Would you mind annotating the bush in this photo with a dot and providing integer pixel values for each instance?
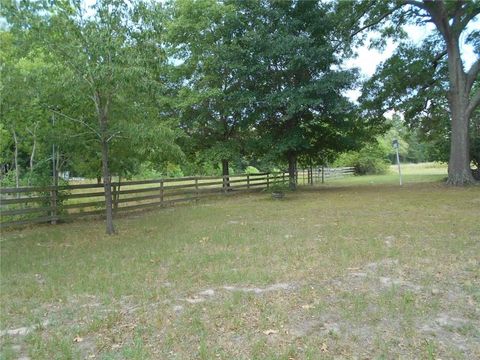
(370, 160)
(8, 180)
(148, 172)
(251, 170)
(173, 170)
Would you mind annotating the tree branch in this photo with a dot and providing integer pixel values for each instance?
(472, 104)
(77, 121)
(472, 74)
(458, 12)
(440, 18)
(464, 22)
(376, 21)
(113, 136)
(418, 4)
(439, 57)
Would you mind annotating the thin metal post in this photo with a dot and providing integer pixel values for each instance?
(399, 168)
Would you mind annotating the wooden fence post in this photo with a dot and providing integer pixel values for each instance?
(268, 180)
(161, 191)
(53, 205)
(196, 189)
(323, 174)
(248, 181)
(115, 199)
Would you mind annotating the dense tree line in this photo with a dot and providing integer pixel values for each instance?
(119, 87)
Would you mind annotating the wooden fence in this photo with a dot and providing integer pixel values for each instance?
(316, 175)
(50, 204)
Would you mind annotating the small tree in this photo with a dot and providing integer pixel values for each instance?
(106, 70)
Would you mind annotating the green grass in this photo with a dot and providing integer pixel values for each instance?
(377, 271)
(411, 173)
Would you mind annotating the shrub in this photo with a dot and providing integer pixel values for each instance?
(173, 170)
(370, 160)
(251, 170)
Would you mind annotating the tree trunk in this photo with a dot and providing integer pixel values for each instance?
(17, 170)
(34, 146)
(107, 186)
(107, 181)
(225, 173)
(459, 172)
(32, 155)
(292, 169)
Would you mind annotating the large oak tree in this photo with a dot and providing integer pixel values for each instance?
(454, 82)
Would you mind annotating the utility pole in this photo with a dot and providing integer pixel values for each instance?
(396, 146)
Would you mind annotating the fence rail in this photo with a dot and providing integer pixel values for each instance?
(43, 204)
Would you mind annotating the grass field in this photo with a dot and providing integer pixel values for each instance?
(358, 267)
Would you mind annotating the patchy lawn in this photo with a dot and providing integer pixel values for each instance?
(333, 271)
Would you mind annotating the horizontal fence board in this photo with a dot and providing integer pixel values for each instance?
(210, 183)
(80, 186)
(138, 198)
(235, 181)
(84, 204)
(139, 182)
(183, 186)
(27, 189)
(180, 192)
(154, 204)
(24, 200)
(26, 211)
(259, 179)
(136, 191)
(85, 195)
(48, 188)
(248, 185)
